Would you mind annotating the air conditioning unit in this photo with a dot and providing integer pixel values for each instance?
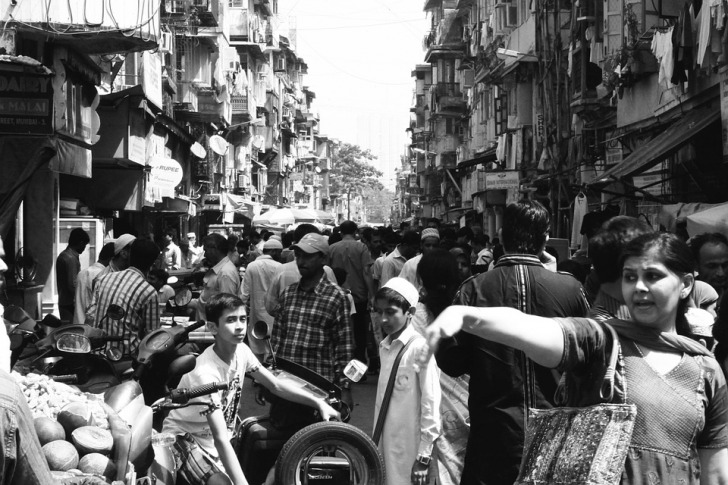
(166, 42)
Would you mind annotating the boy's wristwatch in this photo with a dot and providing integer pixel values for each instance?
(423, 460)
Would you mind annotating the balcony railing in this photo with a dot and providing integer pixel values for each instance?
(240, 104)
(448, 89)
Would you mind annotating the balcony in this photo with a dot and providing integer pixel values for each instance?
(449, 97)
(242, 109)
(420, 104)
(203, 13)
(87, 26)
(238, 25)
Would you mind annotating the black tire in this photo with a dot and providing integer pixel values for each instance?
(331, 437)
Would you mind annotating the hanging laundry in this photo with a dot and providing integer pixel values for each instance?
(703, 35)
(682, 44)
(580, 209)
(500, 150)
(663, 52)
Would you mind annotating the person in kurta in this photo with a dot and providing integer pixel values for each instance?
(256, 283)
(680, 434)
(412, 421)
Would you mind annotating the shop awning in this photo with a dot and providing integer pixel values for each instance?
(663, 145)
(487, 157)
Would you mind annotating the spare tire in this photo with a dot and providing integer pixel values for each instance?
(331, 439)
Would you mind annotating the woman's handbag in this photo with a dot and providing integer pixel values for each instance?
(584, 446)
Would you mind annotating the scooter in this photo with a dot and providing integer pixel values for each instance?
(144, 455)
(140, 401)
(326, 452)
(73, 354)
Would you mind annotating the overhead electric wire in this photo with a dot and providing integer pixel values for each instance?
(350, 74)
(339, 27)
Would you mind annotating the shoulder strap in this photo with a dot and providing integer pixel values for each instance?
(606, 391)
(388, 393)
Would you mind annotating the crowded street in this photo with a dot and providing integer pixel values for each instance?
(394, 242)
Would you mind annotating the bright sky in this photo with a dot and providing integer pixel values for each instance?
(360, 56)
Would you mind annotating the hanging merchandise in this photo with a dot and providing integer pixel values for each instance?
(580, 209)
(500, 151)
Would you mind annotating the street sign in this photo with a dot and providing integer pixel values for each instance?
(508, 179)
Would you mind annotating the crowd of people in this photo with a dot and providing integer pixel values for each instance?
(472, 331)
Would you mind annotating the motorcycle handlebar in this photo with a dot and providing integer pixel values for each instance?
(183, 396)
(195, 326)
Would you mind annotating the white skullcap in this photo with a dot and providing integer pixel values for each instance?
(404, 288)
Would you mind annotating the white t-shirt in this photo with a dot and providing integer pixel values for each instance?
(210, 368)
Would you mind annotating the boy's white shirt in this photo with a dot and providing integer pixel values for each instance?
(210, 368)
(413, 420)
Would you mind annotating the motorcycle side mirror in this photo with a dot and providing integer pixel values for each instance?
(260, 332)
(115, 312)
(183, 296)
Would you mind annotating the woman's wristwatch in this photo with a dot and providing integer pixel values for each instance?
(423, 460)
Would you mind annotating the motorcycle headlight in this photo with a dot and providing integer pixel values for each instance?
(73, 343)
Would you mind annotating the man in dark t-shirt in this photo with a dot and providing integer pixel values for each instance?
(497, 376)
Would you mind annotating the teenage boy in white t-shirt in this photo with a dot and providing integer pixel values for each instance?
(203, 434)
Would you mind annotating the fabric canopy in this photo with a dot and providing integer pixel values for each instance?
(664, 144)
(22, 157)
(714, 219)
(283, 217)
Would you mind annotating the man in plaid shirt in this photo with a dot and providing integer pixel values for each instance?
(130, 290)
(313, 327)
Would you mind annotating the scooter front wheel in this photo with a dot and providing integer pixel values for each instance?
(340, 452)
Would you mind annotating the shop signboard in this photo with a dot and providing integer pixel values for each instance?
(166, 173)
(508, 179)
(26, 103)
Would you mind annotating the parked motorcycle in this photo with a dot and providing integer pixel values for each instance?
(74, 354)
(146, 453)
(160, 364)
(331, 452)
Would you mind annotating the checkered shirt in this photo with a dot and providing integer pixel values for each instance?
(130, 290)
(314, 329)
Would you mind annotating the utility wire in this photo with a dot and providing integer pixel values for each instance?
(339, 27)
(350, 74)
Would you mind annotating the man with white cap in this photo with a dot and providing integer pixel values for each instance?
(429, 240)
(256, 283)
(313, 327)
(411, 422)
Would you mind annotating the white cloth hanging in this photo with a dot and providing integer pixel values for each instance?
(581, 207)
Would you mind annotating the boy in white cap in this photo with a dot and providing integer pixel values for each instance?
(411, 422)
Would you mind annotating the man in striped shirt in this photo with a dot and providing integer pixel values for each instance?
(130, 290)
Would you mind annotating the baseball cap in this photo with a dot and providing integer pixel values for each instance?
(313, 243)
(404, 288)
(272, 244)
(430, 232)
(122, 242)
